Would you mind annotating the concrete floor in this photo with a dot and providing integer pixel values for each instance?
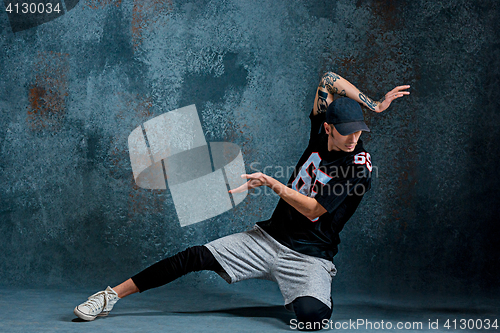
(249, 306)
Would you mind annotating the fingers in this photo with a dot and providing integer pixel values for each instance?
(244, 187)
(393, 96)
(252, 176)
(254, 180)
(239, 189)
(256, 176)
(398, 89)
(397, 92)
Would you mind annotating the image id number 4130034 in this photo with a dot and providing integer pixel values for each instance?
(32, 8)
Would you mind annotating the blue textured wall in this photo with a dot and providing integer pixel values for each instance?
(72, 89)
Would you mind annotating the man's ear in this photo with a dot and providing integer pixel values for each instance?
(327, 128)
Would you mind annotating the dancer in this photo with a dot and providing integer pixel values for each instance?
(296, 246)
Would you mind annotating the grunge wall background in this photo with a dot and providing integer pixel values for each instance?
(72, 89)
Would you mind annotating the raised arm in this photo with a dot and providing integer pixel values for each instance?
(331, 84)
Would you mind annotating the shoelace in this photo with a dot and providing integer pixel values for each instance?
(95, 302)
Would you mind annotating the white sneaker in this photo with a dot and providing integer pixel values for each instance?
(99, 304)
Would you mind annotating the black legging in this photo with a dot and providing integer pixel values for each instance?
(197, 258)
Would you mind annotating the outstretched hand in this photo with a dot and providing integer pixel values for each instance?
(255, 180)
(397, 92)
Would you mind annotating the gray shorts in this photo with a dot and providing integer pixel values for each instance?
(254, 254)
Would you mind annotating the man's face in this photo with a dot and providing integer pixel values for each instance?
(339, 142)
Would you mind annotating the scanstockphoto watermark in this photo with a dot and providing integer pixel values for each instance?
(359, 324)
(307, 182)
(448, 324)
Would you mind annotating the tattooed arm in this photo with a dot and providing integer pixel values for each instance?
(332, 83)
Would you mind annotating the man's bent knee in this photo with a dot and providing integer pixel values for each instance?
(311, 313)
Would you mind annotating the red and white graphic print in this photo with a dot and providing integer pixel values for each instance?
(363, 158)
(309, 175)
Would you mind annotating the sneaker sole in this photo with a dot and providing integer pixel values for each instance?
(82, 315)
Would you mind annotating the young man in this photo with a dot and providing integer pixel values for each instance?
(295, 247)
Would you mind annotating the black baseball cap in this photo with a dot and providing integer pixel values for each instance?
(346, 115)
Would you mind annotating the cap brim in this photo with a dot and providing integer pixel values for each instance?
(349, 128)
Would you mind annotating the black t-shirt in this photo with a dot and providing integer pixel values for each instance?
(337, 180)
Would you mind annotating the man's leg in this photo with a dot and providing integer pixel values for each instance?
(192, 259)
(311, 312)
(305, 282)
(126, 288)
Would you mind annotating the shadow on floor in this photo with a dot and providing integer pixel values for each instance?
(278, 312)
(275, 312)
